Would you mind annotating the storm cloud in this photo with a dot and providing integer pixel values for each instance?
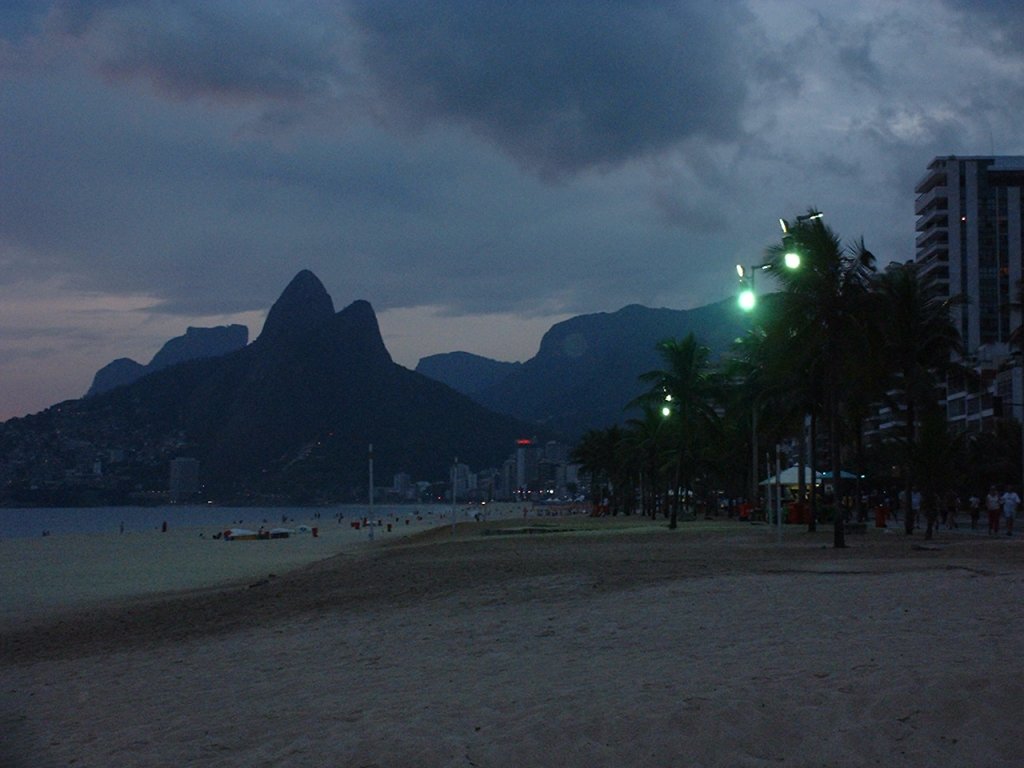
(562, 86)
(459, 164)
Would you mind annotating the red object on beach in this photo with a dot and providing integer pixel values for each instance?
(355, 524)
(316, 532)
(799, 514)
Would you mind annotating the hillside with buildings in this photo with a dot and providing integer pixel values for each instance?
(289, 418)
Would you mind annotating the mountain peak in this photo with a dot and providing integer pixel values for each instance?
(303, 305)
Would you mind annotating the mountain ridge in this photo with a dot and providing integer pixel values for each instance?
(196, 343)
(587, 367)
(288, 417)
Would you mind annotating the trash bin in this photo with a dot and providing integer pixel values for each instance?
(316, 532)
(881, 513)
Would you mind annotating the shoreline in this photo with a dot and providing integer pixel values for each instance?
(60, 574)
(31, 522)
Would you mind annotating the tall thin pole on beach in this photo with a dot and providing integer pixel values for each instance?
(778, 492)
(369, 516)
(455, 477)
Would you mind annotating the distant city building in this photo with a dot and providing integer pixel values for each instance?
(464, 480)
(556, 452)
(526, 464)
(402, 483)
(508, 478)
(969, 239)
(184, 481)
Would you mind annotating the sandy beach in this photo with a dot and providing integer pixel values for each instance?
(612, 642)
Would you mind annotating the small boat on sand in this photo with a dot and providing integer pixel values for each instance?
(245, 534)
(241, 534)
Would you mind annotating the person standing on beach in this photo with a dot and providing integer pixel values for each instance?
(1010, 501)
(993, 506)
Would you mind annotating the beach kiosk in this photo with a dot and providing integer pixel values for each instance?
(784, 485)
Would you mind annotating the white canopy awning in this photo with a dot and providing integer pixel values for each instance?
(791, 476)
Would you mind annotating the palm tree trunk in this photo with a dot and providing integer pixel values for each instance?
(838, 525)
(858, 497)
(908, 488)
(673, 520)
(812, 523)
(801, 491)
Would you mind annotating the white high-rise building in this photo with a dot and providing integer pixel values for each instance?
(969, 212)
(969, 234)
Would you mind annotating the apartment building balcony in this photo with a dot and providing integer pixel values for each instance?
(935, 253)
(934, 217)
(936, 198)
(934, 177)
(932, 234)
(937, 275)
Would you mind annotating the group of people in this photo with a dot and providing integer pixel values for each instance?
(1001, 504)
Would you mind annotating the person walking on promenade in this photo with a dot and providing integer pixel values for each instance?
(1010, 501)
(950, 507)
(993, 505)
(975, 504)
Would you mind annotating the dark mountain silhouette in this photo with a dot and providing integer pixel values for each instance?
(587, 367)
(292, 414)
(197, 343)
(115, 374)
(465, 372)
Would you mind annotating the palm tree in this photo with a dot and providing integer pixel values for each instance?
(748, 374)
(921, 339)
(777, 395)
(687, 387)
(823, 309)
(597, 453)
(938, 463)
(645, 440)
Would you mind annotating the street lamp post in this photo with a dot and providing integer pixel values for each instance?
(667, 407)
(369, 516)
(748, 302)
(455, 480)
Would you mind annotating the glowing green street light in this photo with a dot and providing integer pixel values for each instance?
(790, 259)
(790, 255)
(748, 291)
(748, 299)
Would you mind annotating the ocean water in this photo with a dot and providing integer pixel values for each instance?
(28, 522)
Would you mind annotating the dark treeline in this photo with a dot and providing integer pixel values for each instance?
(837, 342)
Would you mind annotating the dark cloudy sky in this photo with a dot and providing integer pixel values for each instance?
(476, 170)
